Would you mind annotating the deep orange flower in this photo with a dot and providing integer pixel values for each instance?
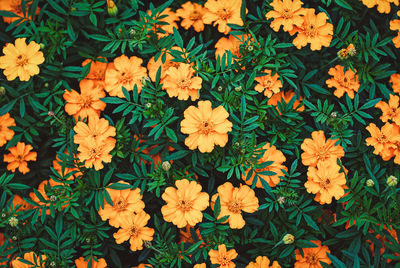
(327, 181)
(232, 44)
(390, 110)
(97, 128)
(314, 31)
(124, 72)
(286, 96)
(382, 139)
(263, 262)
(186, 237)
(97, 72)
(19, 156)
(87, 103)
(143, 265)
(133, 229)
(395, 26)
(222, 12)
(125, 202)
(395, 80)
(383, 240)
(287, 13)
(185, 203)
(233, 201)
(75, 167)
(222, 257)
(344, 82)
(192, 15)
(206, 126)
(14, 6)
(81, 263)
(6, 134)
(45, 188)
(319, 149)
(200, 265)
(36, 260)
(19, 201)
(179, 82)
(268, 83)
(21, 60)
(271, 154)
(312, 256)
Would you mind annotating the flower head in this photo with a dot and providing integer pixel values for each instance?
(263, 262)
(153, 65)
(395, 80)
(6, 134)
(19, 156)
(94, 153)
(312, 256)
(232, 44)
(382, 139)
(206, 126)
(286, 96)
(15, 7)
(391, 181)
(223, 257)
(21, 60)
(35, 260)
(97, 72)
(81, 263)
(286, 13)
(192, 15)
(268, 83)
(185, 203)
(390, 110)
(97, 128)
(222, 12)
(344, 82)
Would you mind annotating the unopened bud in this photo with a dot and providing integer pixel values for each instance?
(50, 113)
(46, 84)
(148, 105)
(219, 88)
(342, 54)
(3, 215)
(351, 50)
(281, 200)
(250, 48)
(334, 114)
(132, 31)
(145, 79)
(14, 238)
(42, 46)
(166, 165)
(288, 239)
(87, 240)
(53, 198)
(13, 221)
(53, 264)
(2, 91)
(112, 8)
(370, 183)
(239, 88)
(391, 181)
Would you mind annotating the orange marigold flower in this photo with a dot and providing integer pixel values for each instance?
(287, 13)
(192, 15)
(312, 256)
(97, 72)
(233, 201)
(153, 66)
(67, 169)
(395, 80)
(222, 12)
(232, 44)
(143, 265)
(383, 240)
(19, 201)
(185, 203)
(6, 134)
(395, 26)
(170, 18)
(95, 153)
(87, 103)
(263, 262)
(124, 203)
(318, 149)
(381, 139)
(35, 260)
(326, 180)
(179, 82)
(314, 31)
(268, 83)
(133, 229)
(81, 263)
(45, 189)
(344, 82)
(206, 126)
(14, 6)
(383, 5)
(277, 158)
(21, 60)
(223, 257)
(186, 237)
(97, 128)
(124, 72)
(19, 156)
(390, 110)
(200, 265)
(286, 96)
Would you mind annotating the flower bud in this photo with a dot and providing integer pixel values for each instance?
(250, 48)
(132, 31)
(148, 105)
(281, 200)
(239, 88)
(53, 198)
(342, 54)
(2, 91)
(13, 221)
(14, 238)
(50, 113)
(166, 165)
(53, 264)
(370, 183)
(391, 181)
(334, 114)
(46, 84)
(288, 239)
(42, 46)
(3, 215)
(219, 88)
(351, 50)
(112, 8)
(147, 243)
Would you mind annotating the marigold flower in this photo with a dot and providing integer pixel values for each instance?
(19, 156)
(192, 15)
(94, 153)
(390, 110)
(327, 181)
(277, 157)
(97, 72)
(395, 26)
(125, 202)
(143, 265)
(179, 82)
(185, 203)
(87, 103)
(21, 60)
(153, 66)
(81, 263)
(233, 201)
(124, 72)
(36, 260)
(381, 138)
(232, 44)
(206, 126)
(200, 265)
(286, 96)
(314, 31)
(287, 13)
(263, 262)
(223, 257)
(133, 229)
(383, 5)
(67, 169)
(344, 82)
(14, 6)
(222, 12)
(395, 80)
(383, 240)
(44, 189)
(312, 256)
(19, 201)
(318, 149)
(97, 128)
(268, 83)
(6, 134)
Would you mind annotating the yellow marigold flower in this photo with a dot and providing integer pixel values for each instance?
(263, 262)
(21, 60)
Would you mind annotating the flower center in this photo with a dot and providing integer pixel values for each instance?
(224, 14)
(224, 261)
(185, 205)
(134, 231)
(120, 204)
(19, 158)
(94, 153)
(322, 154)
(125, 78)
(206, 127)
(21, 60)
(325, 182)
(86, 102)
(235, 206)
(310, 30)
(268, 83)
(287, 14)
(195, 15)
(184, 83)
(381, 138)
(312, 259)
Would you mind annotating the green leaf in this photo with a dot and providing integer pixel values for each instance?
(336, 262)
(343, 4)
(178, 38)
